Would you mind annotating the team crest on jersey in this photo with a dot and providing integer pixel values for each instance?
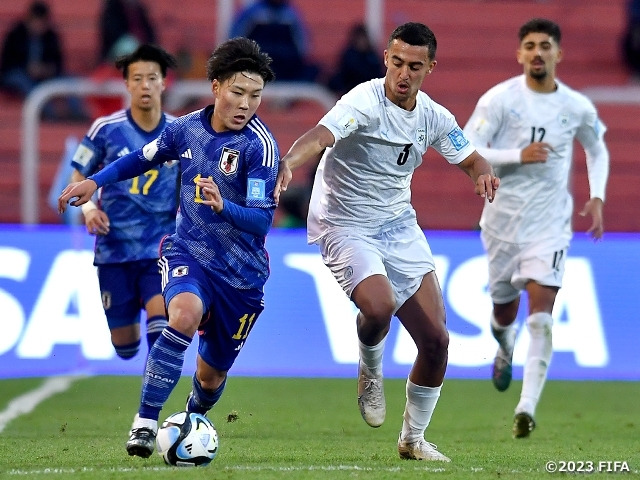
(421, 136)
(229, 161)
(563, 118)
(180, 271)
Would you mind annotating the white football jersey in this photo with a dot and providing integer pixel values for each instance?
(363, 181)
(534, 201)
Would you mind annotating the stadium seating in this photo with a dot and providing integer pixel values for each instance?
(477, 42)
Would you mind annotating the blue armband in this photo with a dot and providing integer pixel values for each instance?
(256, 221)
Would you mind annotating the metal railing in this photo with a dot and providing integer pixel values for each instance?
(176, 95)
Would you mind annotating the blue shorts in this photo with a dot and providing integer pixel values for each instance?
(229, 313)
(126, 287)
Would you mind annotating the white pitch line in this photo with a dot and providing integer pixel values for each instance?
(27, 402)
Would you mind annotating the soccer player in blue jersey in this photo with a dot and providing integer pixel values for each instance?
(215, 265)
(131, 216)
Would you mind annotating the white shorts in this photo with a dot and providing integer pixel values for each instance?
(401, 254)
(511, 266)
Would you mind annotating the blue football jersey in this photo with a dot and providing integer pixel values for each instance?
(141, 210)
(244, 165)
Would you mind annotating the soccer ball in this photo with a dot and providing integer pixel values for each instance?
(187, 439)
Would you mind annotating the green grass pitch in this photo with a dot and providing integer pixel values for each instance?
(281, 428)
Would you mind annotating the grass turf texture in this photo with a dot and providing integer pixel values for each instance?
(311, 428)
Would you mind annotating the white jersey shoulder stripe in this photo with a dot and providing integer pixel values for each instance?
(269, 149)
(119, 116)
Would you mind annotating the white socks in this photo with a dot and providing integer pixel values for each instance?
(505, 336)
(421, 402)
(139, 422)
(538, 359)
(371, 357)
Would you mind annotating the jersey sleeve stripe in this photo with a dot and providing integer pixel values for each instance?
(269, 150)
(119, 116)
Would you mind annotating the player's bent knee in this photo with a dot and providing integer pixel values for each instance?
(540, 322)
(434, 347)
(378, 313)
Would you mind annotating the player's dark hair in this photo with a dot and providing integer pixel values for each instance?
(415, 33)
(541, 25)
(236, 55)
(146, 53)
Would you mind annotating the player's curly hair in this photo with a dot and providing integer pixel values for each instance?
(236, 55)
(146, 53)
(541, 25)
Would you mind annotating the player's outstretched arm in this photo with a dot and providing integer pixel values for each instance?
(128, 166)
(81, 191)
(309, 146)
(480, 171)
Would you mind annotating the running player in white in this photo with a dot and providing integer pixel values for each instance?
(361, 217)
(525, 127)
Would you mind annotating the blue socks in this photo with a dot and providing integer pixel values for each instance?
(201, 401)
(155, 325)
(162, 372)
(127, 351)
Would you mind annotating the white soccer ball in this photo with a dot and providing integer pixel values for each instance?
(187, 439)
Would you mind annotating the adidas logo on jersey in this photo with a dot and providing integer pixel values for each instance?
(123, 152)
(186, 153)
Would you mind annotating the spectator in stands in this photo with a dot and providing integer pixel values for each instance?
(32, 54)
(359, 62)
(124, 17)
(280, 31)
(631, 38)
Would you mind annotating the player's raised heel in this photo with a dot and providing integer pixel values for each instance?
(371, 397)
(420, 450)
(141, 442)
(523, 425)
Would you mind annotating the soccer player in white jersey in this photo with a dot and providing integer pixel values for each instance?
(132, 216)
(525, 127)
(215, 265)
(361, 217)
